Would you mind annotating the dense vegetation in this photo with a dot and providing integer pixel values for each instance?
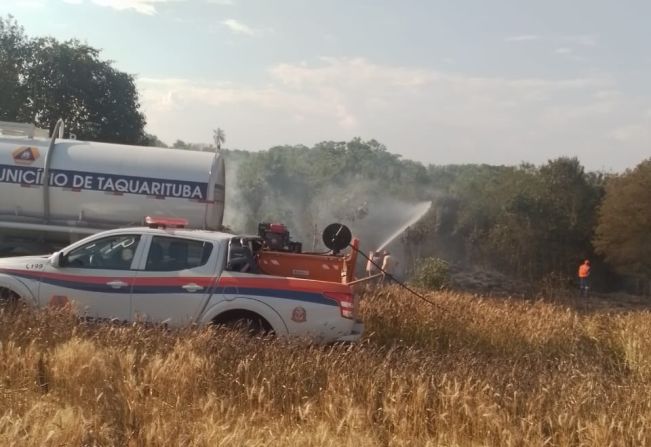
(536, 223)
(462, 372)
(624, 231)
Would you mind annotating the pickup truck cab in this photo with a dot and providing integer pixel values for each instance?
(179, 277)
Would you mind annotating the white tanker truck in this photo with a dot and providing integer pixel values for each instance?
(90, 187)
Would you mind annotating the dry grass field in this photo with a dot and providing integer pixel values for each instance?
(466, 372)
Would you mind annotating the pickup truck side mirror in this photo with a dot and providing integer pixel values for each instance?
(58, 259)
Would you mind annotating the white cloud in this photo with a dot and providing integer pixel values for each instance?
(35, 5)
(432, 116)
(563, 50)
(573, 47)
(147, 7)
(334, 71)
(240, 28)
(585, 40)
(523, 38)
(632, 133)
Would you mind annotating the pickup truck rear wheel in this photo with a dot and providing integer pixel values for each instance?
(8, 298)
(243, 320)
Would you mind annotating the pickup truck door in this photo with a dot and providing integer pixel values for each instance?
(175, 280)
(95, 277)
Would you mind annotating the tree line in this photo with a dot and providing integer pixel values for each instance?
(531, 222)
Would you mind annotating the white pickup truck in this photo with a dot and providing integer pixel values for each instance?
(178, 277)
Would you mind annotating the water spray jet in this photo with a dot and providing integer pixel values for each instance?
(420, 211)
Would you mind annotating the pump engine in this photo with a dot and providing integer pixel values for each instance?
(276, 238)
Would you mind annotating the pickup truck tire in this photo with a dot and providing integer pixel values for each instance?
(8, 298)
(243, 320)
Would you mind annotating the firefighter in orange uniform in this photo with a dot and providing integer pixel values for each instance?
(584, 275)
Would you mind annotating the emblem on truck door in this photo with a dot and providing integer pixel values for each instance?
(25, 155)
(299, 315)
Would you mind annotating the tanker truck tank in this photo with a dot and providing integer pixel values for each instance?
(94, 186)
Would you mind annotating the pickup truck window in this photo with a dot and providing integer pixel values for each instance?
(240, 257)
(169, 254)
(109, 253)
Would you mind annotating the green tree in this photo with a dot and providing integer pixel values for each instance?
(570, 201)
(180, 144)
(432, 273)
(623, 233)
(13, 50)
(152, 140)
(526, 221)
(219, 137)
(44, 79)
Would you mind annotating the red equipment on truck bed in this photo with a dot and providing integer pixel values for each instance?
(279, 256)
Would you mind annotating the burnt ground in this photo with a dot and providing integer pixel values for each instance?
(491, 284)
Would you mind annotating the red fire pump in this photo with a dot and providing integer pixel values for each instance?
(276, 238)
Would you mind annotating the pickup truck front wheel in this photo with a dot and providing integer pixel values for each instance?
(245, 321)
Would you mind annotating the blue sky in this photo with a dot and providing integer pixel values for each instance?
(498, 82)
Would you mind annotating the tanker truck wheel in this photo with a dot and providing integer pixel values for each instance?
(9, 300)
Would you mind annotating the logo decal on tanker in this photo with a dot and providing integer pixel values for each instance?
(109, 183)
(25, 155)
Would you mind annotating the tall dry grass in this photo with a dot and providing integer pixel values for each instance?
(464, 372)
